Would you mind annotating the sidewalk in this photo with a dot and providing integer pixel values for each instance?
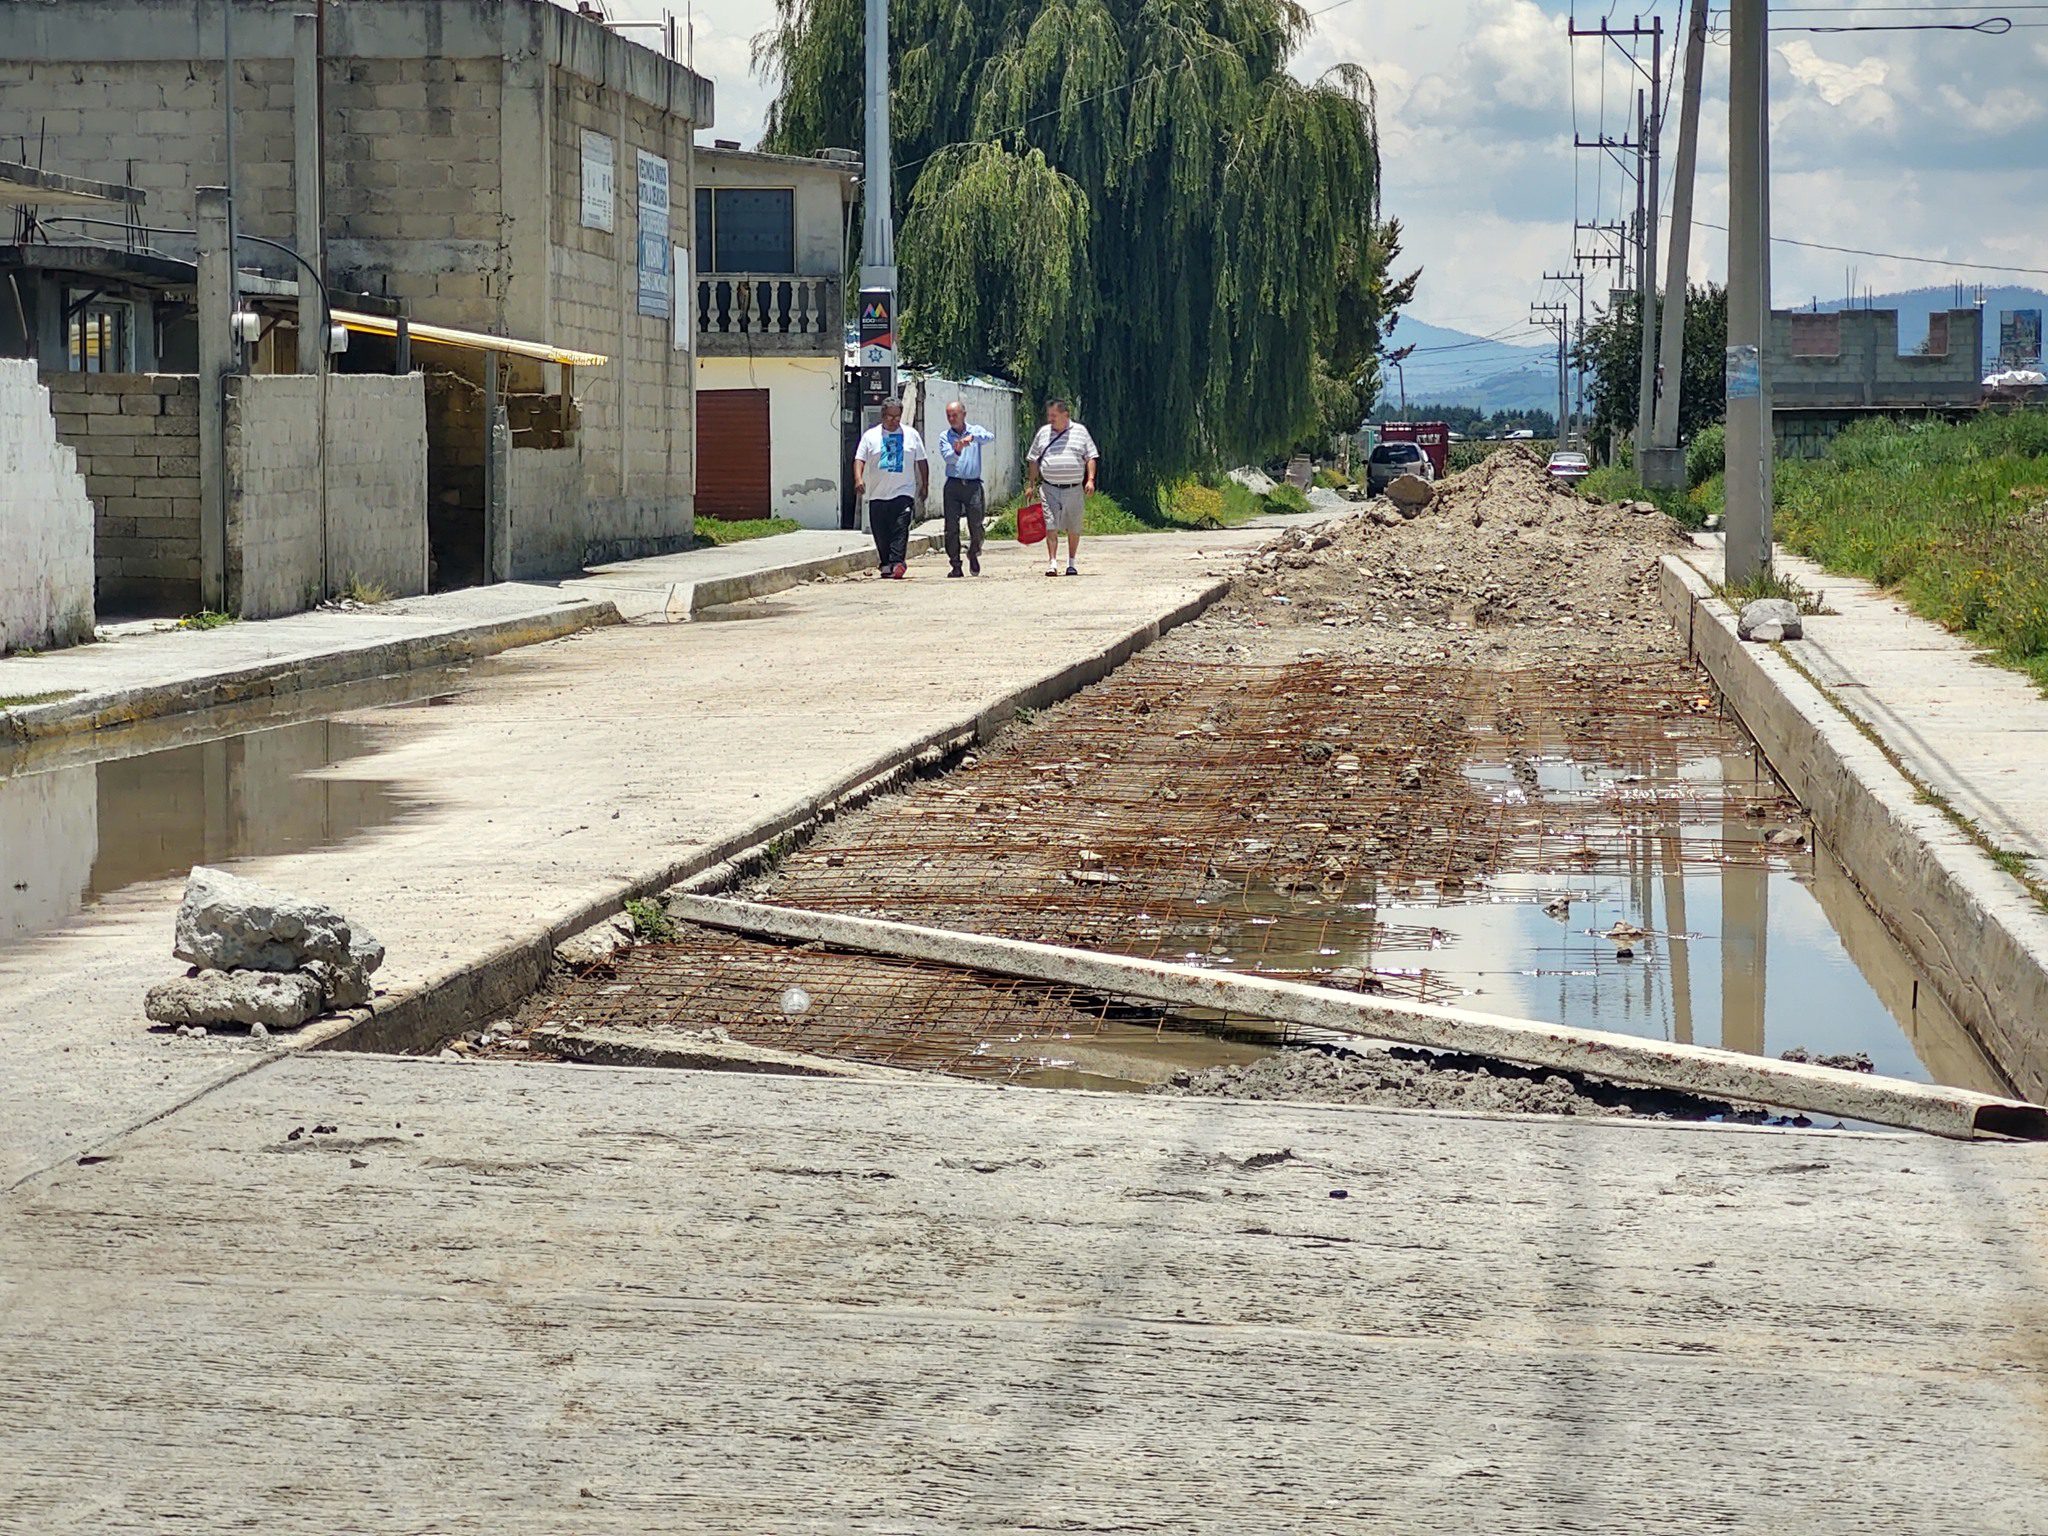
(1973, 733)
(143, 672)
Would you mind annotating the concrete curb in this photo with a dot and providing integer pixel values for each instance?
(720, 590)
(281, 675)
(471, 991)
(1971, 927)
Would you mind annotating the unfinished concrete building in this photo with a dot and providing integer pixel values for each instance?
(1828, 370)
(512, 178)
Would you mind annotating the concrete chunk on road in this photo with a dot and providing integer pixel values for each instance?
(1410, 494)
(274, 999)
(227, 923)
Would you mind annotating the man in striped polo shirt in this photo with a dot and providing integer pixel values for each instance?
(1061, 464)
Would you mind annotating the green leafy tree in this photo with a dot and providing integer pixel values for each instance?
(1348, 365)
(1127, 201)
(1612, 352)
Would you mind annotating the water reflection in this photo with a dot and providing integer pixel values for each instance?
(1746, 947)
(73, 835)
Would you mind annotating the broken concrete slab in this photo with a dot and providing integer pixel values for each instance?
(1621, 1058)
(274, 999)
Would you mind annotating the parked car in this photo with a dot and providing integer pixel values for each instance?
(1388, 462)
(1571, 468)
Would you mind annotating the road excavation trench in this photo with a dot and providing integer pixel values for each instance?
(1457, 759)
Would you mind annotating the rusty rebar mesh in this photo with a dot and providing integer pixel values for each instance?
(1267, 818)
(873, 1009)
(1256, 816)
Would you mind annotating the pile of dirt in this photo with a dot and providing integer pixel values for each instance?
(1401, 1077)
(1503, 564)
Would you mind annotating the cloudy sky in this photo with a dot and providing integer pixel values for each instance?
(1920, 143)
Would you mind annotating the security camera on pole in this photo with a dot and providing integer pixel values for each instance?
(878, 232)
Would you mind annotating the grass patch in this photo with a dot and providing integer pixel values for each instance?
(206, 618)
(1190, 506)
(1951, 517)
(1618, 482)
(357, 590)
(650, 920)
(1772, 583)
(20, 700)
(718, 531)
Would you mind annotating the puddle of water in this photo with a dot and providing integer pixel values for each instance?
(1742, 949)
(71, 836)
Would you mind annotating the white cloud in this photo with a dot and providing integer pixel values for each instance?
(1833, 82)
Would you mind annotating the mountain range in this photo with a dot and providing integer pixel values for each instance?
(1508, 371)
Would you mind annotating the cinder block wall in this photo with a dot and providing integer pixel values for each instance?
(137, 440)
(543, 497)
(45, 522)
(1868, 369)
(637, 437)
(454, 182)
(377, 481)
(376, 489)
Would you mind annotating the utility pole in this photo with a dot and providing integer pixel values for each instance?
(1663, 466)
(1578, 281)
(878, 229)
(1557, 317)
(1642, 237)
(1749, 293)
(1615, 235)
(1649, 129)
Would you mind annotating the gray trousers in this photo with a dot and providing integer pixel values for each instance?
(964, 498)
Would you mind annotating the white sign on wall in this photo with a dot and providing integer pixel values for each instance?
(654, 234)
(600, 180)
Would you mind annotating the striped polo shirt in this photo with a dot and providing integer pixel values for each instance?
(1062, 457)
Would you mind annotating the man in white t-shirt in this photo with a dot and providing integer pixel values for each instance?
(890, 469)
(1061, 464)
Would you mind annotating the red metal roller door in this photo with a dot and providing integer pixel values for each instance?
(732, 453)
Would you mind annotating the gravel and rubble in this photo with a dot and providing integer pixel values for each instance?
(1503, 567)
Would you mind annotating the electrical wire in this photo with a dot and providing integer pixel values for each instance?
(1926, 261)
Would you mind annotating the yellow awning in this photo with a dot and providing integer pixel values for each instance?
(475, 341)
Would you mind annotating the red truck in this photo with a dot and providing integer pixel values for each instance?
(1432, 437)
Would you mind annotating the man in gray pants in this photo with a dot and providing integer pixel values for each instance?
(1062, 464)
(964, 494)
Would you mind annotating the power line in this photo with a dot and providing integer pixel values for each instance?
(1926, 261)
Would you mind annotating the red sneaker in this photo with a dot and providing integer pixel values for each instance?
(900, 570)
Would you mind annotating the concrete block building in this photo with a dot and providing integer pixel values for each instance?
(1828, 370)
(505, 168)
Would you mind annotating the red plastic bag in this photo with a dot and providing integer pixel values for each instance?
(1031, 523)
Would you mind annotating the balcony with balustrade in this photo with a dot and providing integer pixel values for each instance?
(747, 313)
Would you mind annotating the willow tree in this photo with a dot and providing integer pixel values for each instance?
(1129, 201)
